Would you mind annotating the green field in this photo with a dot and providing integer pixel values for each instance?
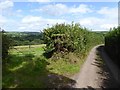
(28, 68)
(33, 49)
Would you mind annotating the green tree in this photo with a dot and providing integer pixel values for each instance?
(6, 44)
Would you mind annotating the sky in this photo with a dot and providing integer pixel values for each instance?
(36, 15)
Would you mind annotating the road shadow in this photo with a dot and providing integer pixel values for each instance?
(107, 79)
(34, 74)
(90, 88)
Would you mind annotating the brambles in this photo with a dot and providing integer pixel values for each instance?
(112, 44)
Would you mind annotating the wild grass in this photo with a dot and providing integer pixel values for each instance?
(68, 65)
(28, 68)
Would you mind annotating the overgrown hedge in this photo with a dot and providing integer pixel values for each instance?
(70, 38)
(112, 44)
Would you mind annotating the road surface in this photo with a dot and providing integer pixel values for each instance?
(98, 71)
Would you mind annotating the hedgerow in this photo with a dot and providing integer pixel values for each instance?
(112, 44)
(62, 38)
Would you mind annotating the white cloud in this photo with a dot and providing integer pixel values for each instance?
(108, 26)
(6, 4)
(7, 23)
(82, 8)
(55, 9)
(39, 0)
(108, 19)
(60, 9)
(19, 11)
(3, 20)
(71, 0)
(91, 21)
(105, 18)
(96, 23)
(31, 19)
(110, 16)
(31, 23)
(109, 12)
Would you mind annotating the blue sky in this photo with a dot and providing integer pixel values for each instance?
(34, 16)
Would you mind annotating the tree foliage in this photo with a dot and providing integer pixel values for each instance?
(6, 44)
(26, 38)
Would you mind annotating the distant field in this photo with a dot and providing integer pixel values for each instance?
(34, 49)
(25, 46)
